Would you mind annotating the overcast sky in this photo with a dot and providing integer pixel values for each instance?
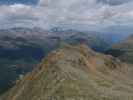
(97, 15)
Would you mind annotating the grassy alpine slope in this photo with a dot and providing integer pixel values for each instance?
(75, 73)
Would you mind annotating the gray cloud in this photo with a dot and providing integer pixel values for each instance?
(114, 2)
(95, 14)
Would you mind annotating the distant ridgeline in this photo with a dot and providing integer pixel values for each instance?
(123, 50)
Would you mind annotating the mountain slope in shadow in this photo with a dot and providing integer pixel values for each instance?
(123, 50)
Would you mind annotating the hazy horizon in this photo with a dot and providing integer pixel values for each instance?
(92, 15)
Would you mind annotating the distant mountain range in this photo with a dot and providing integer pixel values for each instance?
(123, 50)
(75, 73)
(15, 37)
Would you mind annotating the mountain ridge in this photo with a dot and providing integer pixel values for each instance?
(75, 72)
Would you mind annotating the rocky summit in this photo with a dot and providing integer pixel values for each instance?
(75, 73)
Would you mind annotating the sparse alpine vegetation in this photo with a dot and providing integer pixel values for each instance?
(75, 73)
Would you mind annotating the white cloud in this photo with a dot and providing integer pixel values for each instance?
(70, 13)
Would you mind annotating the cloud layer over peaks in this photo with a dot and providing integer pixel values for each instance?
(84, 14)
